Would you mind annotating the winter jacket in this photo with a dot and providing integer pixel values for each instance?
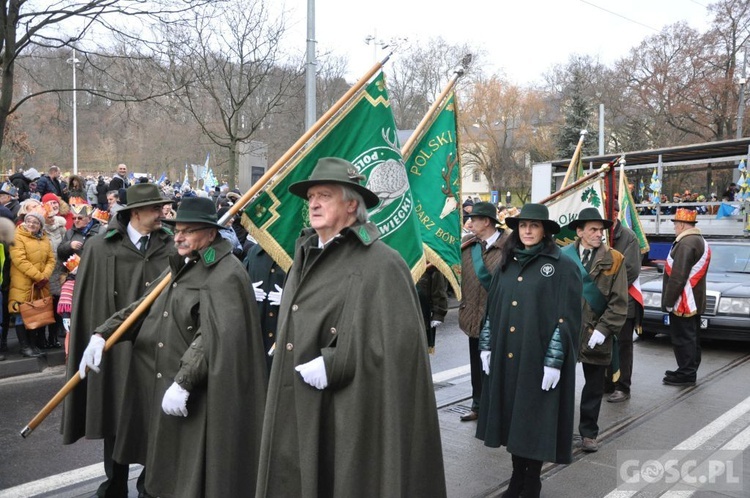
(471, 311)
(687, 249)
(626, 243)
(607, 270)
(32, 260)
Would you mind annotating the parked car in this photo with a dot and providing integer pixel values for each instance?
(727, 313)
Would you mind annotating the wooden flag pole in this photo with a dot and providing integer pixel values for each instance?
(417, 134)
(143, 307)
(73, 381)
(245, 199)
(576, 183)
(573, 160)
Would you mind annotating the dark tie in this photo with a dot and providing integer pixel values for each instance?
(143, 244)
(586, 257)
(483, 243)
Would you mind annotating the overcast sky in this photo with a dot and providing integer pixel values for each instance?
(523, 39)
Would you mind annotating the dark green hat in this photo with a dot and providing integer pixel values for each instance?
(196, 210)
(339, 171)
(142, 195)
(589, 214)
(486, 209)
(535, 212)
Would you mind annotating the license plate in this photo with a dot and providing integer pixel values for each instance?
(704, 321)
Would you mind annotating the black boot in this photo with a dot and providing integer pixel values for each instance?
(4, 340)
(52, 340)
(516, 479)
(23, 341)
(532, 482)
(34, 339)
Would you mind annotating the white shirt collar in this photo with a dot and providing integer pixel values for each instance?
(134, 235)
(493, 238)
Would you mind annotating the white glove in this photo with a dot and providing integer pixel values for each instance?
(66, 324)
(551, 378)
(260, 294)
(314, 373)
(274, 297)
(485, 356)
(92, 355)
(175, 401)
(435, 324)
(596, 339)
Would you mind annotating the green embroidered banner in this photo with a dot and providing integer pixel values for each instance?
(364, 133)
(435, 178)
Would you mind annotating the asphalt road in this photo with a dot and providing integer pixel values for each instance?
(658, 419)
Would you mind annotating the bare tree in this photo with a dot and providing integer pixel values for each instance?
(228, 61)
(26, 24)
(502, 132)
(419, 73)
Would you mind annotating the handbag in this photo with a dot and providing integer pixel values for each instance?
(37, 312)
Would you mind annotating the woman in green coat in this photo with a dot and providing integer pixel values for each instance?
(529, 347)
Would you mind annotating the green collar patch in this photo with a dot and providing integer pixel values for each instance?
(110, 233)
(363, 235)
(209, 255)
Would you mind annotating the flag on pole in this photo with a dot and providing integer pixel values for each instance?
(629, 218)
(364, 133)
(185, 184)
(579, 172)
(565, 208)
(629, 214)
(434, 173)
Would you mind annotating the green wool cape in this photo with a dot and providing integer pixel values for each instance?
(525, 306)
(373, 431)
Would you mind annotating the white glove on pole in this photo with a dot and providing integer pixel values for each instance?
(485, 356)
(551, 378)
(260, 294)
(175, 401)
(92, 355)
(274, 297)
(314, 373)
(435, 324)
(596, 339)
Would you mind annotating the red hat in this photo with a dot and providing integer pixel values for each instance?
(50, 197)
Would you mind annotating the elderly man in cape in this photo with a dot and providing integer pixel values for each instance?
(351, 407)
(605, 308)
(195, 394)
(684, 296)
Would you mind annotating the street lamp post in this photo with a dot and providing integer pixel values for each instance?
(743, 80)
(73, 61)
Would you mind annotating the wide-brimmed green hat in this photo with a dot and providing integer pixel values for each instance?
(589, 214)
(534, 212)
(142, 195)
(338, 171)
(196, 210)
(486, 209)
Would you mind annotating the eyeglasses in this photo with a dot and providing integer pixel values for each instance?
(79, 218)
(188, 231)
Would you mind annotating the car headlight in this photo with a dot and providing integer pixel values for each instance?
(734, 306)
(651, 299)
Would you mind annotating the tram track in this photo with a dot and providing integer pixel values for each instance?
(621, 427)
